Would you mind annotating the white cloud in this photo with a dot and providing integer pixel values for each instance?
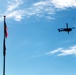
(55, 51)
(13, 5)
(64, 52)
(59, 52)
(62, 4)
(45, 8)
(37, 9)
(17, 15)
(13, 10)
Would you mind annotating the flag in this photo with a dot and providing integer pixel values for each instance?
(4, 47)
(5, 28)
(5, 36)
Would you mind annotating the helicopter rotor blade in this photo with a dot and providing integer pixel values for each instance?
(67, 25)
(73, 27)
(62, 28)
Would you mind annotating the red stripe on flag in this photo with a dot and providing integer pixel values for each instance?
(5, 29)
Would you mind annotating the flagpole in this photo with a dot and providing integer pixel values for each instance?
(4, 65)
(4, 49)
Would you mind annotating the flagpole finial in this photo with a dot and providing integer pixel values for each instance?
(4, 16)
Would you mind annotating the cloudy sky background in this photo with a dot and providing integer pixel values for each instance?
(34, 45)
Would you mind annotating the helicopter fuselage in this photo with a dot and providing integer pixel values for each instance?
(66, 29)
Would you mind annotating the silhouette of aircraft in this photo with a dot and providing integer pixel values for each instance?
(66, 29)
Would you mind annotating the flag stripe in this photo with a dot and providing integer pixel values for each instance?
(4, 47)
(5, 29)
(5, 36)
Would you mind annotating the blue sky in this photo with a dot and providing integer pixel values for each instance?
(34, 45)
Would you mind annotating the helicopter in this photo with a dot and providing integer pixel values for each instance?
(66, 29)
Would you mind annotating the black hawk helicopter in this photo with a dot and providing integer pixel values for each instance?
(66, 29)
